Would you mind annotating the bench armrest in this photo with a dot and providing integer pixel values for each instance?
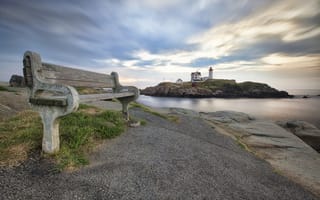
(119, 88)
(38, 86)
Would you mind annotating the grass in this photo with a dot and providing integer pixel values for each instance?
(5, 89)
(19, 136)
(79, 133)
(221, 84)
(88, 90)
(242, 144)
(147, 109)
(143, 122)
(213, 85)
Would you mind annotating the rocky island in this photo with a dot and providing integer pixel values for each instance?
(220, 88)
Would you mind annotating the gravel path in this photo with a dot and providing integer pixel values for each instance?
(162, 160)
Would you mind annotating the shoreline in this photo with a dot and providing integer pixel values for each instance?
(293, 96)
(273, 109)
(287, 154)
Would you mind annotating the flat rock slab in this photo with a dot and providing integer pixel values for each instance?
(287, 153)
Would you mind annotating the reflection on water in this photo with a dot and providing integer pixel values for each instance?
(312, 92)
(275, 109)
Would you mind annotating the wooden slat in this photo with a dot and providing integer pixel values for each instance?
(105, 96)
(50, 101)
(56, 74)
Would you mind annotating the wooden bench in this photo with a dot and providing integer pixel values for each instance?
(53, 93)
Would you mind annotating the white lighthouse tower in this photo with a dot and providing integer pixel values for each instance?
(210, 73)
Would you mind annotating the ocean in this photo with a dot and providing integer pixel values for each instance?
(306, 109)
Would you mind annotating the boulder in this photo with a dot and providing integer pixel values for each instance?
(16, 81)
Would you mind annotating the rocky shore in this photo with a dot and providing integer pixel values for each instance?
(289, 146)
(189, 159)
(194, 158)
(218, 88)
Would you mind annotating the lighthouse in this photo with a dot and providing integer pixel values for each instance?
(210, 73)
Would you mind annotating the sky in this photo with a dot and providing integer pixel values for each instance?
(150, 41)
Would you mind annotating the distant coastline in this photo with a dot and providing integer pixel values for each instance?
(304, 92)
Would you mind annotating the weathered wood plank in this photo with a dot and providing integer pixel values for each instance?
(50, 101)
(56, 74)
(104, 96)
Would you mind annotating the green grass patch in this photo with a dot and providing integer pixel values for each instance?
(242, 144)
(134, 120)
(89, 90)
(5, 89)
(85, 106)
(147, 109)
(79, 133)
(143, 122)
(81, 130)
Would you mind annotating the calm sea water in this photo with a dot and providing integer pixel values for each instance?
(276, 109)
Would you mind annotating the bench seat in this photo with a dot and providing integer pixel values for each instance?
(103, 96)
(63, 101)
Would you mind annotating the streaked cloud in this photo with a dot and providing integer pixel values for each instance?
(292, 61)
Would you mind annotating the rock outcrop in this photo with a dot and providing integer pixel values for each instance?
(16, 81)
(288, 154)
(215, 88)
(305, 131)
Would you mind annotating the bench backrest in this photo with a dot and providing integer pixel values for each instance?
(55, 74)
(75, 77)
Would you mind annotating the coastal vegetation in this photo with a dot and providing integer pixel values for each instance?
(147, 109)
(6, 89)
(222, 88)
(80, 132)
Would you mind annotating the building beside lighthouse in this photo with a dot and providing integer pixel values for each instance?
(196, 76)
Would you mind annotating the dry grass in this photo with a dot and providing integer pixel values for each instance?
(18, 136)
(16, 154)
(79, 132)
(169, 117)
(88, 90)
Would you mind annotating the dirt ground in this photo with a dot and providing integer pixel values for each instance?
(13, 101)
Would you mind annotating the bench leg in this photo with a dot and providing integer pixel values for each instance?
(125, 110)
(50, 141)
(125, 102)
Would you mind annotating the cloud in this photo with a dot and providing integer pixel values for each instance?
(280, 20)
(276, 61)
(151, 41)
(267, 29)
